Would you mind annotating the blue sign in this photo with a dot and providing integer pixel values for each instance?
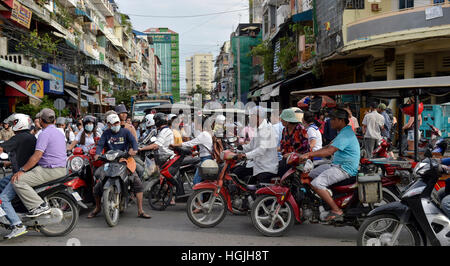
(54, 86)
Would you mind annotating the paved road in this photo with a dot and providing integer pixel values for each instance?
(173, 228)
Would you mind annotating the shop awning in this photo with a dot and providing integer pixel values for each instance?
(275, 92)
(294, 79)
(23, 71)
(268, 89)
(257, 93)
(382, 89)
(73, 95)
(22, 90)
(303, 16)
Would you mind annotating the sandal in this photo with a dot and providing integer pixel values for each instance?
(144, 216)
(93, 214)
(334, 217)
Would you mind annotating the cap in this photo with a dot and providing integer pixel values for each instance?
(46, 113)
(60, 121)
(121, 109)
(298, 113)
(112, 119)
(288, 115)
(339, 113)
(382, 106)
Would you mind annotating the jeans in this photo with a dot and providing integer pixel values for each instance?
(445, 205)
(197, 177)
(6, 196)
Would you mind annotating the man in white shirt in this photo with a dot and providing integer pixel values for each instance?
(373, 124)
(164, 138)
(262, 149)
(61, 126)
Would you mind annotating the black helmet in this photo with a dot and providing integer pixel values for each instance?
(89, 119)
(121, 108)
(160, 119)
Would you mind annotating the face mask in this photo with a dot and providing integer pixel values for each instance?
(89, 128)
(115, 129)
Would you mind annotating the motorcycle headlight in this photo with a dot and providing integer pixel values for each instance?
(76, 164)
(111, 156)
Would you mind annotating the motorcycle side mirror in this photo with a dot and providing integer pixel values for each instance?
(4, 156)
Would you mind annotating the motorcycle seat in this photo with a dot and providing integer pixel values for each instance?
(56, 181)
(346, 182)
(190, 161)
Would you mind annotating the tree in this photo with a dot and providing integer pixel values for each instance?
(32, 110)
(201, 91)
(124, 96)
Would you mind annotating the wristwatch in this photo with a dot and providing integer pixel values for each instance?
(22, 170)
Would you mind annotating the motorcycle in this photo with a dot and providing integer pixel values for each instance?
(413, 220)
(292, 199)
(219, 193)
(175, 180)
(116, 185)
(63, 202)
(84, 165)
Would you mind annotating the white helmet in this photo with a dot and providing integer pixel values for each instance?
(112, 119)
(149, 121)
(19, 121)
(220, 119)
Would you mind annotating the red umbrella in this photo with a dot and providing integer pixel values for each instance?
(326, 101)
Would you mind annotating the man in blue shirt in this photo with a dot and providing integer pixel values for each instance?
(117, 138)
(345, 149)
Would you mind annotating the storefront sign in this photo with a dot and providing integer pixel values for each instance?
(21, 14)
(110, 101)
(54, 86)
(433, 12)
(36, 87)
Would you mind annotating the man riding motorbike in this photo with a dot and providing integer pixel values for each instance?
(346, 151)
(48, 163)
(117, 138)
(20, 148)
(262, 149)
(164, 138)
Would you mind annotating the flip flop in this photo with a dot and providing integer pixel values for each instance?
(334, 217)
(92, 214)
(144, 216)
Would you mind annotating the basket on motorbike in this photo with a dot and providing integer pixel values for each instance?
(370, 188)
(209, 170)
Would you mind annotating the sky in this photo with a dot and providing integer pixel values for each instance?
(197, 35)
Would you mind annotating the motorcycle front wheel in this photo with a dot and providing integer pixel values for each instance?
(386, 230)
(204, 210)
(69, 209)
(111, 206)
(159, 196)
(266, 221)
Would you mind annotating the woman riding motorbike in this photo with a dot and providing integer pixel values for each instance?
(85, 138)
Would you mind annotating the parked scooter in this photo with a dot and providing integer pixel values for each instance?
(414, 220)
(63, 202)
(292, 199)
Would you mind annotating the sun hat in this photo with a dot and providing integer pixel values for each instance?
(288, 115)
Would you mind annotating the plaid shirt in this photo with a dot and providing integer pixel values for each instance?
(295, 142)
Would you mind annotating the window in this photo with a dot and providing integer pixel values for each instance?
(405, 4)
(354, 4)
(266, 22)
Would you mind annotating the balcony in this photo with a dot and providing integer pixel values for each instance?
(395, 26)
(104, 7)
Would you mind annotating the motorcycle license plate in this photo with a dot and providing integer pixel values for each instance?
(2, 212)
(76, 196)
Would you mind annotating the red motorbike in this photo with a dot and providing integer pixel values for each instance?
(85, 165)
(175, 179)
(292, 199)
(219, 192)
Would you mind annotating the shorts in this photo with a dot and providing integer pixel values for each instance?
(137, 186)
(327, 175)
(411, 135)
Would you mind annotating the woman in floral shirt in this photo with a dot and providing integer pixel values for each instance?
(294, 138)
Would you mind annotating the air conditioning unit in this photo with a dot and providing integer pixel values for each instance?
(375, 7)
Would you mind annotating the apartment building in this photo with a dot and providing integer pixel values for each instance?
(199, 72)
